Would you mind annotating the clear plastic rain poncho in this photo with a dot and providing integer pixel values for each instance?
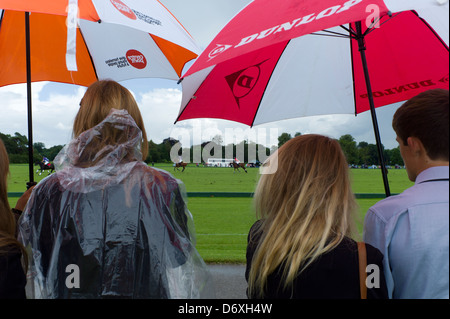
(111, 227)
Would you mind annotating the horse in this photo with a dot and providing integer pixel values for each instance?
(44, 167)
(236, 166)
(178, 165)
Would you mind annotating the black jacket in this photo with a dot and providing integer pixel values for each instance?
(12, 276)
(335, 275)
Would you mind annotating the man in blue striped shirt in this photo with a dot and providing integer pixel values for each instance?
(412, 228)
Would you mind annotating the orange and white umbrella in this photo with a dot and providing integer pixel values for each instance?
(80, 41)
(112, 39)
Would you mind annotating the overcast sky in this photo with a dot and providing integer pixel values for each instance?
(55, 105)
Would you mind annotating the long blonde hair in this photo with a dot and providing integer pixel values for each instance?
(97, 102)
(306, 208)
(7, 220)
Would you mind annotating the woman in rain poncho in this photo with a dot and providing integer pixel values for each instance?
(106, 225)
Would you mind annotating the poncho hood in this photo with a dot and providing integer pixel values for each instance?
(92, 161)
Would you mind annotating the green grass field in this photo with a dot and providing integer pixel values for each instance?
(222, 224)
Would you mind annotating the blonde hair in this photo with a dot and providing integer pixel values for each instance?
(7, 220)
(97, 102)
(306, 208)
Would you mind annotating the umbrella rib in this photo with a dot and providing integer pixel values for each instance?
(350, 31)
(371, 29)
(331, 34)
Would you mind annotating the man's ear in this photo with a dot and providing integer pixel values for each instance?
(415, 144)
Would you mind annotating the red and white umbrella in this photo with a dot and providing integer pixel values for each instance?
(278, 60)
(80, 41)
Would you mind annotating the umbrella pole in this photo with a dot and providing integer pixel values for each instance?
(362, 49)
(29, 97)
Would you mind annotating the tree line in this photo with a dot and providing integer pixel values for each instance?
(17, 148)
(361, 153)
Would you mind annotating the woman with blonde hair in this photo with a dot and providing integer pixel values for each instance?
(106, 225)
(12, 274)
(301, 247)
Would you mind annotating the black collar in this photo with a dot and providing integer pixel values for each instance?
(435, 180)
